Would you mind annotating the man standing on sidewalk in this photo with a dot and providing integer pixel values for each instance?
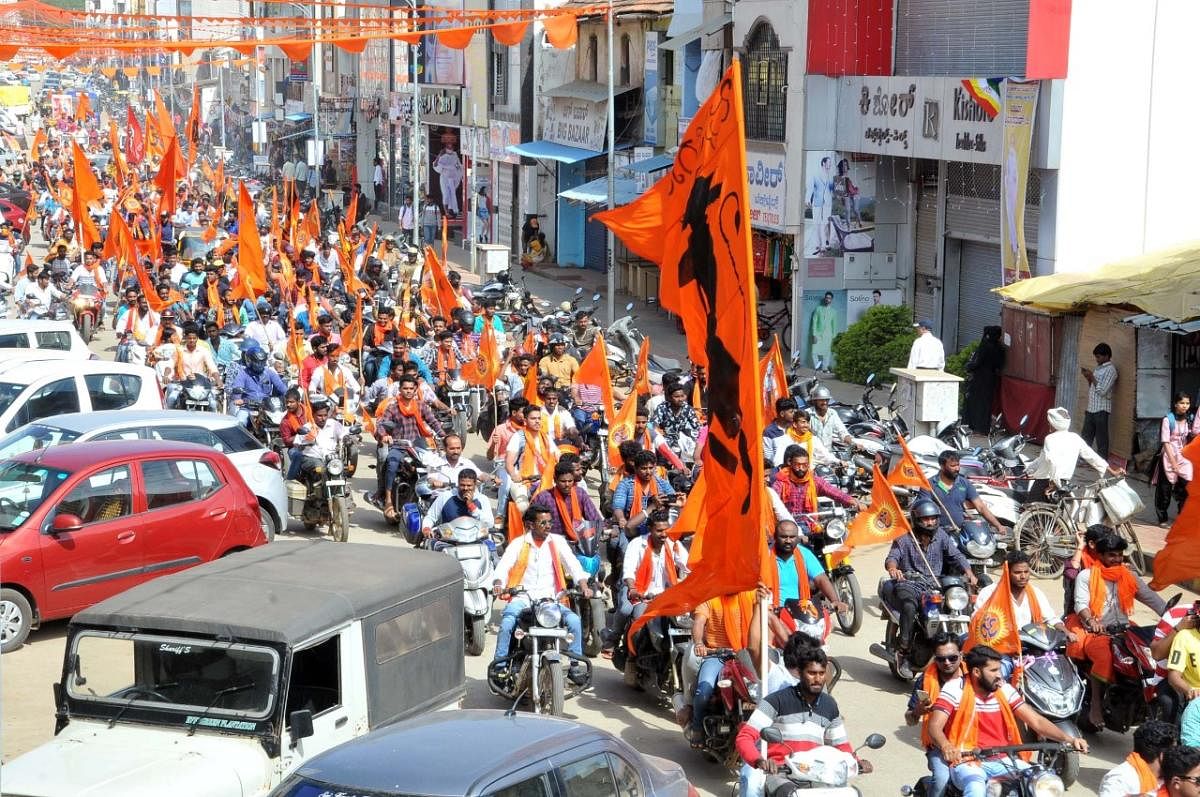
(1099, 404)
(408, 219)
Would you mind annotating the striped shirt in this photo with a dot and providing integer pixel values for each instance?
(1100, 390)
(804, 725)
(992, 731)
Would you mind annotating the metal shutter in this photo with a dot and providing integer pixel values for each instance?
(504, 200)
(928, 281)
(978, 306)
(595, 242)
(961, 38)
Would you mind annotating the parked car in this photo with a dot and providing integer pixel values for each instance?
(525, 755)
(81, 523)
(13, 213)
(19, 336)
(31, 390)
(223, 679)
(260, 467)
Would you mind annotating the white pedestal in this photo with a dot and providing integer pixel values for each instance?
(927, 397)
(491, 258)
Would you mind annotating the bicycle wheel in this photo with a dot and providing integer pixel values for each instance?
(1044, 535)
(1134, 553)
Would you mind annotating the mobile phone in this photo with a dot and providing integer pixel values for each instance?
(922, 696)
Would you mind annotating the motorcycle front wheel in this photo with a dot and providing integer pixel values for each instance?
(551, 688)
(460, 424)
(339, 525)
(86, 329)
(848, 592)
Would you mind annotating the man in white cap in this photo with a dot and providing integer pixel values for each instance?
(927, 351)
(1062, 450)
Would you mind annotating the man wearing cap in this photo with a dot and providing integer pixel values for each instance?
(927, 351)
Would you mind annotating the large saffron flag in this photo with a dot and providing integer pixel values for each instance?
(86, 191)
(439, 283)
(994, 623)
(883, 521)
(193, 123)
(251, 270)
(906, 472)
(621, 429)
(166, 126)
(168, 177)
(1179, 561)
(594, 371)
(484, 368)
(695, 224)
(135, 140)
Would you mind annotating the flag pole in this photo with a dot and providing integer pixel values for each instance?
(610, 263)
(764, 607)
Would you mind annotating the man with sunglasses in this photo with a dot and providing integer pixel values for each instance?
(1181, 772)
(945, 666)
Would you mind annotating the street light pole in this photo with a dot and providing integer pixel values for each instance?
(611, 282)
(318, 70)
(414, 150)
(221, 85)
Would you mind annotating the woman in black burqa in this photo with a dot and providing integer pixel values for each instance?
(983, 378)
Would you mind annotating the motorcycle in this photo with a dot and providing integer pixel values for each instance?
(455, 393)
(507, 293)
(86, 308)
(592, 612)
(656, 655)
(827, 528)
(943, 608)
(467, 540)
(494, 410)
(977, 541)
(1051, 686)
(410, 490)
(536, 664)
(196, 394)
(265, 422)
(326, 501)
(1031, 781)
(822, 770)
(624, 337)
(732, 702)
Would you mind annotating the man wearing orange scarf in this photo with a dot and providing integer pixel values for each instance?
(946, 666)
(652, 563)
(798, 487)
(638, 495)
(1139, 775)
(406, 418)
(568, 502)
(981, 710)
(538, 562)
(1104, 596)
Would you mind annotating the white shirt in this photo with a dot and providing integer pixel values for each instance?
(1060, 454)
(1022, 610)
(1122, 781)
(1111, 613)
(317, 383)
(658, 566)
(820, 454)
(82, 273)
(927, 352)
(269, 335)
(482, 513)
(516, 445)
(538, 579)
(37, 296)
(407, 217)
(178, 270)
(323, 441)
(446, 475)
(185, 218)
(560, 420)
(829, 428)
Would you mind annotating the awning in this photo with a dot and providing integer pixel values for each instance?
(1150, 321)
(596, 192)
(653, 164)
(298, 117)
(586, 90)
(691, 34)
(548, 150)
(1164, 283)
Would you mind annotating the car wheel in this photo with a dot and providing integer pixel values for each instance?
(266, 520)
(16, 618)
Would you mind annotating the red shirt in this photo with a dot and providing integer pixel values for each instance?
(992, 731)
(288, 427)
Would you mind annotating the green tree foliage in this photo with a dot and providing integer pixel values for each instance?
(879, 340)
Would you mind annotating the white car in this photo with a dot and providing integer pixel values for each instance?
(31, 389)
(19, 337)
(261, 467)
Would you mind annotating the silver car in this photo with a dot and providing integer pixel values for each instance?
(261, 467)
(487, 753)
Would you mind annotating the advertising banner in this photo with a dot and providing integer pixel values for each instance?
(1020, 104)
(650, 89)
(768, 190)
(839, 203)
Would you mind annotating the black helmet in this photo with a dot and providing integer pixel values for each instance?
(256, 356)
(922, 509)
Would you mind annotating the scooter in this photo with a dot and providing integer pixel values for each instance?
(1034, 780)
(822, 771)
(197, 394)
(467, 540)
(1051, 686)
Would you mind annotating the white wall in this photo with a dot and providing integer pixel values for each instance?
(1127, 169)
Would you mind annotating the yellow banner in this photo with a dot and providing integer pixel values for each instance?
(1020, 105)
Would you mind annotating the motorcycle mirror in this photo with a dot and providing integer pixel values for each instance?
(871, 378)
(651, 300)
(595, 297)
(629, 307)
(1171, 603)
(579, 291)
(771, 735)
(875, 741)
(1024, 418)
(544, 303)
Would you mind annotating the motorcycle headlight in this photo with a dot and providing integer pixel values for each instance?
(80, 303)
(197, 392)
(981, 549)
(548, 615)
(835, 529)
(458, 385)
(1048, 784)
(335, 467)
(956, 599)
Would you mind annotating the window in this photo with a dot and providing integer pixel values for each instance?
(106, 495)
(590, 777)
(234, 440)
(177, 482)
(499, 73)
(625, 48)
(316, 682)
(112, 391)
(57, 398)
(412, 630)
(593, 58)
(59, 340)
(534, 787)
(629, 782)
(187, 434)
(119, 434)
(17, 340)
(666, 67)
(766, 75)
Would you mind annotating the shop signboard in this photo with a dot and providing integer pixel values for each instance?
(503, 135)
(576, 122)
(441, 106)
(768, 190)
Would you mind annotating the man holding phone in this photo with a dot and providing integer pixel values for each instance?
(945, 666)
(1099, 404)
(637, 496)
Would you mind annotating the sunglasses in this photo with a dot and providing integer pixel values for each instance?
(1193, 779)
(948, 659)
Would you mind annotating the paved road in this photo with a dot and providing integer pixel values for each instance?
(871, 700)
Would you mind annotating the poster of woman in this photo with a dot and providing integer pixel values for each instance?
(839, 204)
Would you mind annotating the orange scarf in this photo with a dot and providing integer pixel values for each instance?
(737, 611)
(381, 331)
(570, 514)
(1147, 780)
(214, 304)
(446, 361)
(412, 409)
(933, 687)
(536, 456)
(641, 492)
(333, 379)
(645, 574)
(517, 574)
(1097, 593)
(788, 481)
(801, 578)
(963, 732)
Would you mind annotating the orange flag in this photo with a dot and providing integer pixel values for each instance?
(193, 123)
(774, 378)
(83, 107)
(85, 192)
(445, 239)
(352, 336)
(114, 141)
(694, 223)
(531, 386)
(621, 429)
(295, 344)
(907, 473)
(594, 371)
(641, 379)
(516, 524)
(39, 138)
(352, 210)
(447, 299)
(168, 177)
(485, 368)
(1179, 561)
(994, 623)
(250, 265)
(166, 127)
(883, 521)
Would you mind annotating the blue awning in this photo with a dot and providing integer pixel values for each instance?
(548, 150)
(299, 117)
(596, 192)
(653, 164)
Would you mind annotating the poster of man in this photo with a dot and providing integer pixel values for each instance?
(860, 301)
(446, 172)
(825, 316)
(839, 204)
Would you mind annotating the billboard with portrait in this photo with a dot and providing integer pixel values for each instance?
(839, 203)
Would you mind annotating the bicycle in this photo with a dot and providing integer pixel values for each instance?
(770, 323)
(1047, 530)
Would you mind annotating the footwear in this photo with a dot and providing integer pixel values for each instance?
(390, 514)
(683, 717)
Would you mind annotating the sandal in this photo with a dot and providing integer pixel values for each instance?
(390, 514)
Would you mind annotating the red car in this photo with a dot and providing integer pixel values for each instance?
(81, 523)
(13, 213)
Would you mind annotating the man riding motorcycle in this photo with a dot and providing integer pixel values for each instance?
(1029, 603)
(568, 502)
(319, 440)
(190, 361)
(826, 424)
(653, 563)
(945, 667)
(798, 487)
(462, 502)
(40, 297)
(955, 494)
(252, 385)
(405, 418)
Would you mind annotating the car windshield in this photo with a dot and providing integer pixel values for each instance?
(197, 682)
(303, 787)
(8, 394)
(23, 488)
(32, 437)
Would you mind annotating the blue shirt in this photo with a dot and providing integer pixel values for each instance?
(497, 324)
(789, 584)
(623, 498)
(256, 388)
(1190, 735)
(953, 498)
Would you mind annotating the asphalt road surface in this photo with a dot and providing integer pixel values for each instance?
(871, 700)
